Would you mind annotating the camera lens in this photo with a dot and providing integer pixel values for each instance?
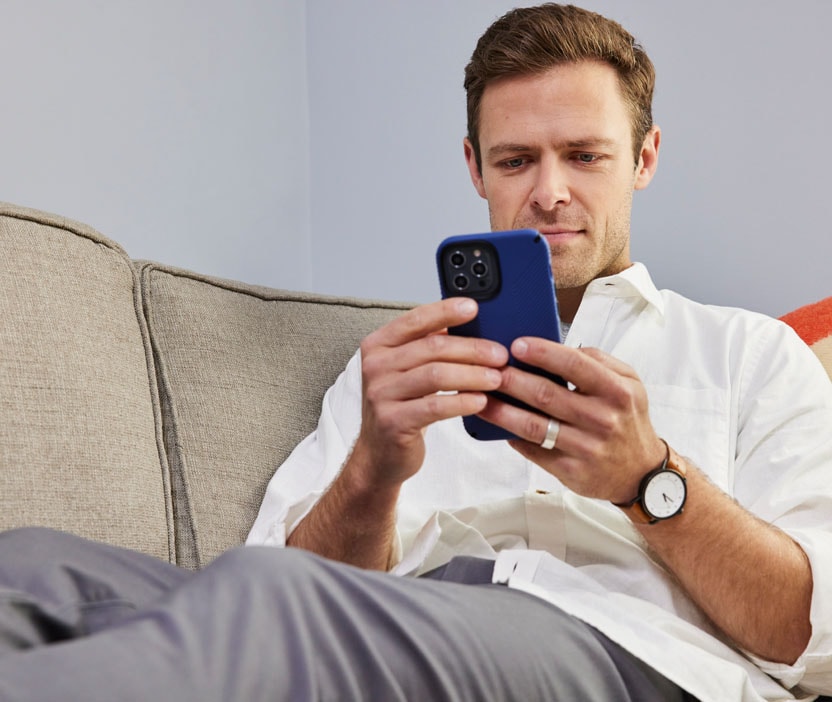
(460, 282)
(479, 269)
(457, 259)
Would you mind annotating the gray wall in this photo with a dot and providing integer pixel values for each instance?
(177, 127)
(317, 145)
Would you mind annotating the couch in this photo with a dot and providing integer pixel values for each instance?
(147, 406)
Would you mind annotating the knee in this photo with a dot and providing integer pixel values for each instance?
(268, 564)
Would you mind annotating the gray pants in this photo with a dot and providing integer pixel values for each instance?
(88, 622)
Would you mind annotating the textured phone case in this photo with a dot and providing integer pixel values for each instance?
(524, 303)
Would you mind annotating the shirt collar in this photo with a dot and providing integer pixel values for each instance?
(633, 280)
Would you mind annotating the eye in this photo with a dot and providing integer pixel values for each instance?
(514, 162)
(587, 158)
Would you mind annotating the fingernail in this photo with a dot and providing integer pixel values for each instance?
(466, 305)
(519, 348)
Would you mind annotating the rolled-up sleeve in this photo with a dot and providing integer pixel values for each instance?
(784, 476)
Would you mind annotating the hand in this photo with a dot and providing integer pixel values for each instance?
(404, 365)
(606, 442)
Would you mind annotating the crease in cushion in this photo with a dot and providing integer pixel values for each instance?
(242, 373)
(80, 448)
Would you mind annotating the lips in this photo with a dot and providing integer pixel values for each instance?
(560, 236)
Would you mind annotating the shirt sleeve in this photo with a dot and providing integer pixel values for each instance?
(784, 475)
(306, 474)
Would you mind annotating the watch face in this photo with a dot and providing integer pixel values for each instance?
(664, 494)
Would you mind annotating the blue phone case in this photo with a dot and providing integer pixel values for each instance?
(520, 301)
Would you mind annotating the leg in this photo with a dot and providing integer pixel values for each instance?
(639, 679)
(281, 624)
(56, 586)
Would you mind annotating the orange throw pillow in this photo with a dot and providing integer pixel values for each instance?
(813, 323)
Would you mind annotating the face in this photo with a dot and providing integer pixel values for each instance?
(557, 156)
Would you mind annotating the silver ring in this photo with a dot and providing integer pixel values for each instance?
(551, 434)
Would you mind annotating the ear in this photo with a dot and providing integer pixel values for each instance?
(473, 169)
(648, 161)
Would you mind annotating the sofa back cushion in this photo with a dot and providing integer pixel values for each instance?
(79, 448)
(242, 373)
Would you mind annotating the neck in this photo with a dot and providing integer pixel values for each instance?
(569, 299)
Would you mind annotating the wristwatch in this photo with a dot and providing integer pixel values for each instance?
(661, 493)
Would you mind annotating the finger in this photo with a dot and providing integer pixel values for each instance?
(423, 320)
(611, 362)
(433, 408)
(526, 425)
(578, 366)
(546, 396)
(432, 378)
(416, 414)
(450, 349)
(418, 337)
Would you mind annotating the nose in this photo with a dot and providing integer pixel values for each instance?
(551, 187)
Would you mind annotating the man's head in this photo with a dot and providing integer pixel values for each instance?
(528, 41)
(561, 135)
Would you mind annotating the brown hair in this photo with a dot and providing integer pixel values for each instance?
(531, 40)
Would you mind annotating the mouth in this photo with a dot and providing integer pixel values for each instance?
(559, 235)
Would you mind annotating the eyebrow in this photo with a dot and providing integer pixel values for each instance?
(588, 143)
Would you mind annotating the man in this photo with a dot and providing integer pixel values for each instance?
(726, 591)
(708, 602)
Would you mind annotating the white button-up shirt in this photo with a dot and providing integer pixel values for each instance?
(735, 392)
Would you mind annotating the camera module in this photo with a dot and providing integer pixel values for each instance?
(457, 259)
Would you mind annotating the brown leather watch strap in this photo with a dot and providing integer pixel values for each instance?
(636, 512)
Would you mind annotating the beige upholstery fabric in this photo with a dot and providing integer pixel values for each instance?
(78, 428)
(242, 372)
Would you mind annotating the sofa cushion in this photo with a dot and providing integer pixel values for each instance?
(79, 449)
(242, 373)
(813, 323)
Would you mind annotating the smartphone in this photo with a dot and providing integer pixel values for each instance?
(509, 274)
